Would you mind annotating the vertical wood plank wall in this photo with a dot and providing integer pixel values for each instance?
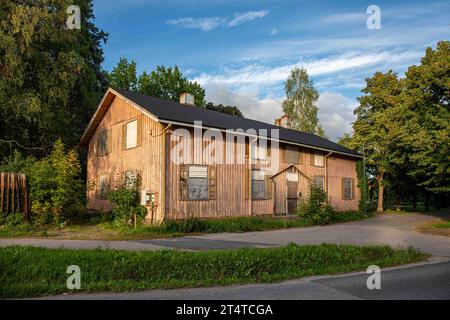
(145, 159)
(230, 199)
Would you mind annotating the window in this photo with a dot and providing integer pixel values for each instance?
(131, 134)
(103, 141)
(318, 159)
(291, 155)
(131, 179)
(198, 182)
(347, 189)
(103, 187)
(258, 184)
(319, 181)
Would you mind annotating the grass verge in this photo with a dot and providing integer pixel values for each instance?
(440, 227)
(29, 271)
(108, 231)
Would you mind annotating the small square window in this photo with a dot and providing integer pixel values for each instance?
(319, 159)
(292, 155)
(319, 181)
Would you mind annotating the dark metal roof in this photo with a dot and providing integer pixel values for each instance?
(169, 111)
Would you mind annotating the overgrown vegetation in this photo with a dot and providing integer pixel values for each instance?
(316, 207)
(126, 209)
(28, 271)
(102, 227)
(56, 191)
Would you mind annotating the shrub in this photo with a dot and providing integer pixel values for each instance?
(56, 192)
(185, 226)
(316, 206)
(126, 208)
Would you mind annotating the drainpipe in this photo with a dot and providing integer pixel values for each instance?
(326, 173)
(162, 171)
(250, 176)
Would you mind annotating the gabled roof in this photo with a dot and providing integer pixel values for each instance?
(182, 114)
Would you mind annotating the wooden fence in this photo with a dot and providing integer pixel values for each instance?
(14, 194)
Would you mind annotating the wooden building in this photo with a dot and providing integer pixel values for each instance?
(191, 161)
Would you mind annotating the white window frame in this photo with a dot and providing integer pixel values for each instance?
(132, 128)
(319, 156)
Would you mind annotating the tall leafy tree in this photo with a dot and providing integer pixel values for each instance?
(123, 75)
(426, 110)
(50, 76)
(376, 129)
(169, 83)
(300, 102)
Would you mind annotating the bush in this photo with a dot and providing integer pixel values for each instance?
(56, 192)
(316, 206)
(126, 208)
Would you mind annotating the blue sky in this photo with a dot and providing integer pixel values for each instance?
(242, 51)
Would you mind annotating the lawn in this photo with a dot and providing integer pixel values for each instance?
(92, 229)
(29, 271)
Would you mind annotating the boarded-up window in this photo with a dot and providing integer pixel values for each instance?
(131, 179)
(292, 155)
(259, 184)
(131, 138)
(347, 189)
(319, 181)
(103, 142)
(318, 159)
(103, 187)
(198, 182)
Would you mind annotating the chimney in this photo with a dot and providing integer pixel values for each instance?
(187, 98)
(283, 122)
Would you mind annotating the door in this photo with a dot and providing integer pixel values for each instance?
(292, 194)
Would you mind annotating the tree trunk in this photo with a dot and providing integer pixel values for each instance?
(380, 193)
(414, 200)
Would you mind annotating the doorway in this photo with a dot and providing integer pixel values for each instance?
(292, 192)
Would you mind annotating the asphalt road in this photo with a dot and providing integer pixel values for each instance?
(420, 281)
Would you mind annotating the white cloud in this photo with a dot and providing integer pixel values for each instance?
(336, 114)
(273, 32)
(239, 18)
(266, 109)
(210, 23)
(204, 24)
(260, 74)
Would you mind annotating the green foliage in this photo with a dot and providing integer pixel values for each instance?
(165, 83)
(169, 83)
(126, 207)
(50, 77)
(114, 270)
(56, 191)
(12, 219)
(232, 110)
(402, 126)
(123, 75)
(300, 102)
(316, 206)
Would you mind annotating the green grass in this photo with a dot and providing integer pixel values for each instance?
(30, 271)
(95, 230)
(442, 225)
